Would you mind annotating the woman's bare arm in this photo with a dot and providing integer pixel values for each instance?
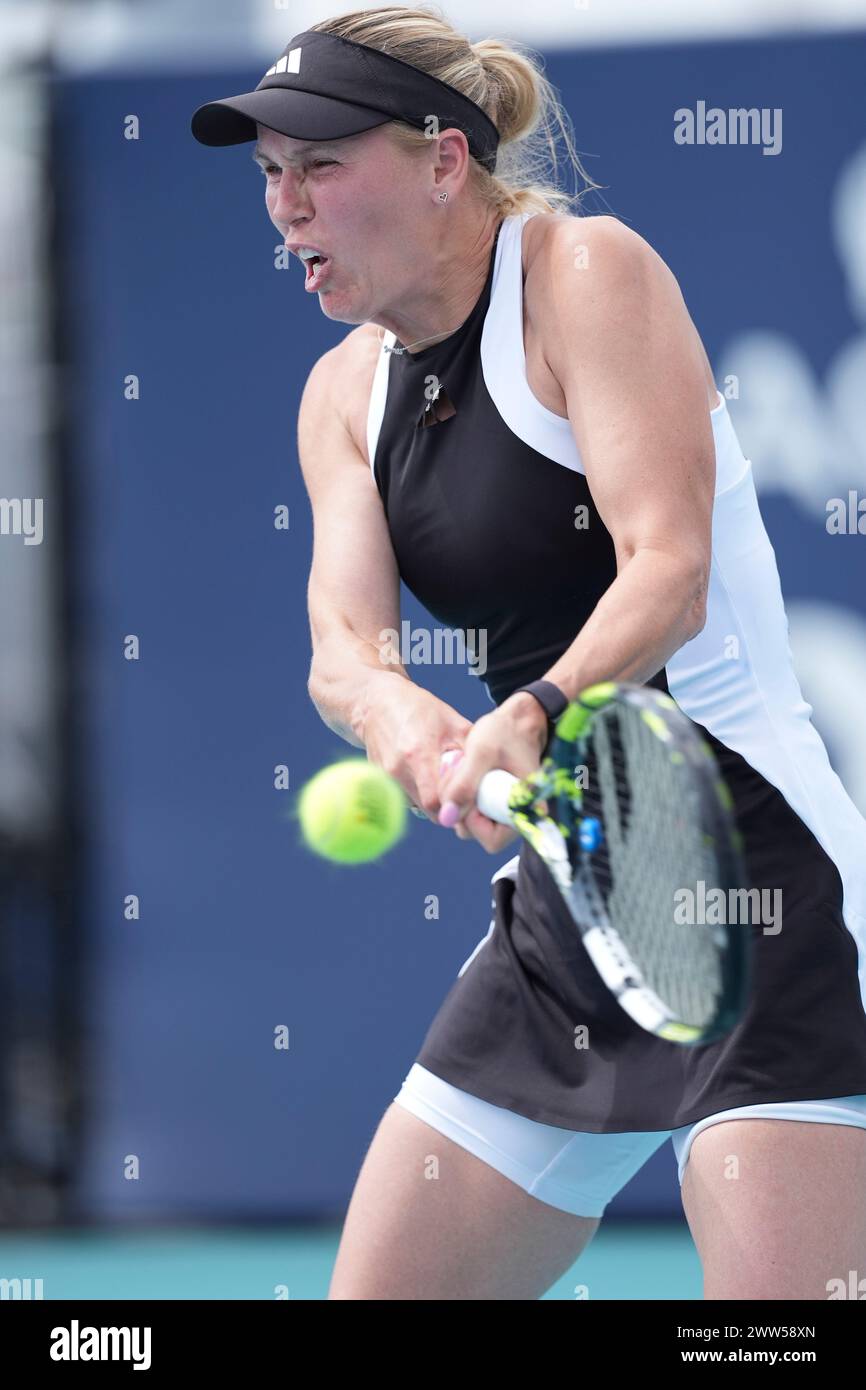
(353, 593)
(620, 342)
(359, 687)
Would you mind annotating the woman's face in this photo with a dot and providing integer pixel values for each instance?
(360, 200)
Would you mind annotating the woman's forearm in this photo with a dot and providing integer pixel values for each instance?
(345, 675)
(655, 604)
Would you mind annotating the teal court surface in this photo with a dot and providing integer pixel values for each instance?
(640, 1261)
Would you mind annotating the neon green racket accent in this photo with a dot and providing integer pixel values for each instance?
(563, 783)
(532, 831)
(580, 721)
(524, 824)
(657, 724)
(679, 1032)
(521, 795)
(572, 722)
(598, 695)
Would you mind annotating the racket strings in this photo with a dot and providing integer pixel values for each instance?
(653, 848)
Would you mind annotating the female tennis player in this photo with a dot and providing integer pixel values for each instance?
(524, 425)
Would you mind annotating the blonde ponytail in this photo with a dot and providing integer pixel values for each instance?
(506, 81)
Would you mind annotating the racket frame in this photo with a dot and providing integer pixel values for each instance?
(526, 803)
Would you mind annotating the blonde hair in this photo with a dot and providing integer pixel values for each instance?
(504, 80)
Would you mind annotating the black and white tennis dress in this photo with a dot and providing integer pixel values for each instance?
(480, 507)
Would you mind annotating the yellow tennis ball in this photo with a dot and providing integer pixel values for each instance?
(352, 811)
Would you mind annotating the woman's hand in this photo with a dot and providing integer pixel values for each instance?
(406, 731)
(512, 737)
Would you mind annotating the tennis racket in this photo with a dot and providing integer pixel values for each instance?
(634, 821)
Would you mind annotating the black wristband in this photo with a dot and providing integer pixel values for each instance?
(552, 700)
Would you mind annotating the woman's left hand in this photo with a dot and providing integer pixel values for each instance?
(512, 737)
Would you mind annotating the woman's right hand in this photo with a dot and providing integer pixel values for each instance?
(407, 730)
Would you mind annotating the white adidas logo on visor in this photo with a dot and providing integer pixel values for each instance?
(290, 62)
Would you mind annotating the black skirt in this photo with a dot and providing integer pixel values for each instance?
(528, 1025)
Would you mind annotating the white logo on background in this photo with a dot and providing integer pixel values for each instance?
(77, 1343)
(290, 62)
(807, 432)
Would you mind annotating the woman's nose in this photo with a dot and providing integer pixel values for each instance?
(289, 198)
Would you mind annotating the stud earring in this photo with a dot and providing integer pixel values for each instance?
(443, 197)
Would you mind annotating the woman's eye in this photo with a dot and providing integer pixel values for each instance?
(273, 170)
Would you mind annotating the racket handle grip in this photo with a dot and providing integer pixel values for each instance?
(492, 795)
(493, 789)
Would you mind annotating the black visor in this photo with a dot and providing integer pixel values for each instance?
(323, 88)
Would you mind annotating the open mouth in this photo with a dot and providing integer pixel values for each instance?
(314, 265)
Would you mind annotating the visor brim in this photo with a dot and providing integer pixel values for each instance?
(300, 115)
